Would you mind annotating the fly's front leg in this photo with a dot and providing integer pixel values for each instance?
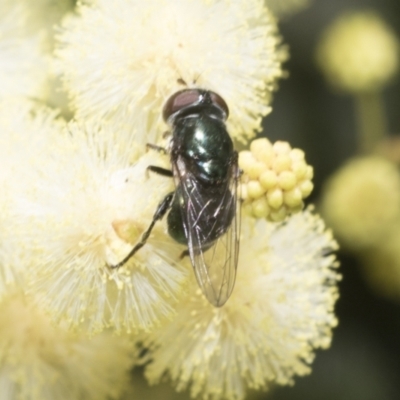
(162, 208)
(160, 149)
(155, 169)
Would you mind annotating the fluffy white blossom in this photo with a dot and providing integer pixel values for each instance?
(41, 362)
(23, 65)
(280, 310)
(82, 203)
(122, 59)
(22, 127)
(42, 16)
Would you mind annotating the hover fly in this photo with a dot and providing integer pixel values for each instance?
(203, 208)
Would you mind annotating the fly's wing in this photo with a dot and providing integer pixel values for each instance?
(212, 225)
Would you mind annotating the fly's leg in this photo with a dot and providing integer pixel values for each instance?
(184, 254)
(160, 171)
(162, 208)
(160, 149)
(155, 169)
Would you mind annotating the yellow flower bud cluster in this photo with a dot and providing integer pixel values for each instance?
(359, 52)
(275, 180)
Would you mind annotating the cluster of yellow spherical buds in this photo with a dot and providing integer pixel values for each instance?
(275, 181)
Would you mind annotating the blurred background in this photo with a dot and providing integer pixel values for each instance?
(364, 359)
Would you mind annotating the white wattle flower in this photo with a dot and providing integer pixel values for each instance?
(87, 216)
(82, 203)
(41, 362)
(281, 309)
(22, 125)
(42, 16)
(23, 66)
(122, 59)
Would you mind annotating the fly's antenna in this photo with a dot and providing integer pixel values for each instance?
(197, 78)
(181, 81)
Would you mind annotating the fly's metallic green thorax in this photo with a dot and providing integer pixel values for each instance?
(199, 133)
(205, 145)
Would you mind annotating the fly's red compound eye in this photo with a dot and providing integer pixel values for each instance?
(182, 99)
(187, 98)
(220, 102)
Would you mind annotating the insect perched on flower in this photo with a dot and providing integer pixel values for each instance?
(202, 209)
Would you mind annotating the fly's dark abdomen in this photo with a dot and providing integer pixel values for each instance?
(174, 222)
(210, 227)
(207, 202)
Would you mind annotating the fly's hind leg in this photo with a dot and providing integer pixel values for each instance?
(160, 171)
(162, 208)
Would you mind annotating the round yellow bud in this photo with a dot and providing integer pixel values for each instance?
(254, 189)
(282, 163)
(281, 147)
(299, 168)
(278, 215)
(275, 198)
(297, 155)
(306, 188)
(293, 197)
(268, 179)
(260, 208)
(262, 150)
(309, 172)
(246, 160)
(287, 180)
(256, 170)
